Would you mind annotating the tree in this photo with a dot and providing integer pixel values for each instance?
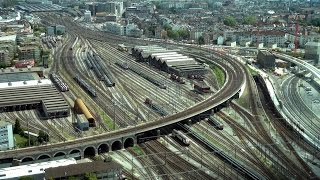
(90, 176)
(172, 34)
(72, 178)
(315, 22)
(230, 21)
(249, 20)
(201, 40)
(26, 178)
(183, 33)
(17, 127)
(43, 137)
(9, 3)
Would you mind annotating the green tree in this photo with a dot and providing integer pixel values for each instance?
(72, 178)
(315, 22)
(43, 137)
(183, 33)
(250, 20)
(230, 21)
(172, 34)
(17, 127)
(26, 178)
(201, 40)
(167, 27)
(9, 3)
(90, 176)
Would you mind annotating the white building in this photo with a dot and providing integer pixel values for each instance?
(256, 37)
(87, 16)
(220, 40)
(6, 136)
(36, 171)
(302, 39)
(115, 8)
(195, 34)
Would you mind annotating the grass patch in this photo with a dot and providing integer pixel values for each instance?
(252, 72)
(218, 72)
(20, 141)
(107, 120)
(137, 150)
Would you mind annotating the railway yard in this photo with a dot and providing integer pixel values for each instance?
(107, 91)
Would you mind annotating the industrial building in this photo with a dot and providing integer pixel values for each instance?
(39, 7)
(87, 16)
(312, 51)
(15, 72)
(6, 136)
(56, 30)
(170, 61)
(35, 171)
(29, 52)
(102, 169)
(45, 98)
(82, 122)
(265, 59)
(23, 89)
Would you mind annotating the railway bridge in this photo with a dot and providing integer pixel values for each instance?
(127, 137)
(78, 151)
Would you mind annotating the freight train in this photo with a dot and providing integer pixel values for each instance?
(94, 62)
(90, 90)
(156, 107)
(181, 136)
(57, 81)
(177, 78)
(202, 88)
(216, 123)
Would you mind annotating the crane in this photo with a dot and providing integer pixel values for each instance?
(296, 41)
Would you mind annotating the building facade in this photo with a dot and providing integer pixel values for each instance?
(4, 57)
(6, 136)
(29, 52)
(312, 51)
(265, 59)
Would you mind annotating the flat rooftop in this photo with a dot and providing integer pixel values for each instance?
(82, 168)
(21, 70)
(47, 95)
(14, 77)
(40, 7)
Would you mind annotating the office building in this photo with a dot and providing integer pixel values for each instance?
(265, 59)
(6, 136)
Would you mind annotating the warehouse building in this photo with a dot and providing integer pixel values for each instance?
(102, 169)
(32, 95)
(265, 59)
(170, 61)
(34, 171)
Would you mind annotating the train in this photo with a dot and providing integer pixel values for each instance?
(122, 47)
(156, 107)
(177, 78)
(148, 77)
(57, 81)
(90, 90)
(181, 136)
(216, 123)
(94, 62)
(123, 65)
(202, 88)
